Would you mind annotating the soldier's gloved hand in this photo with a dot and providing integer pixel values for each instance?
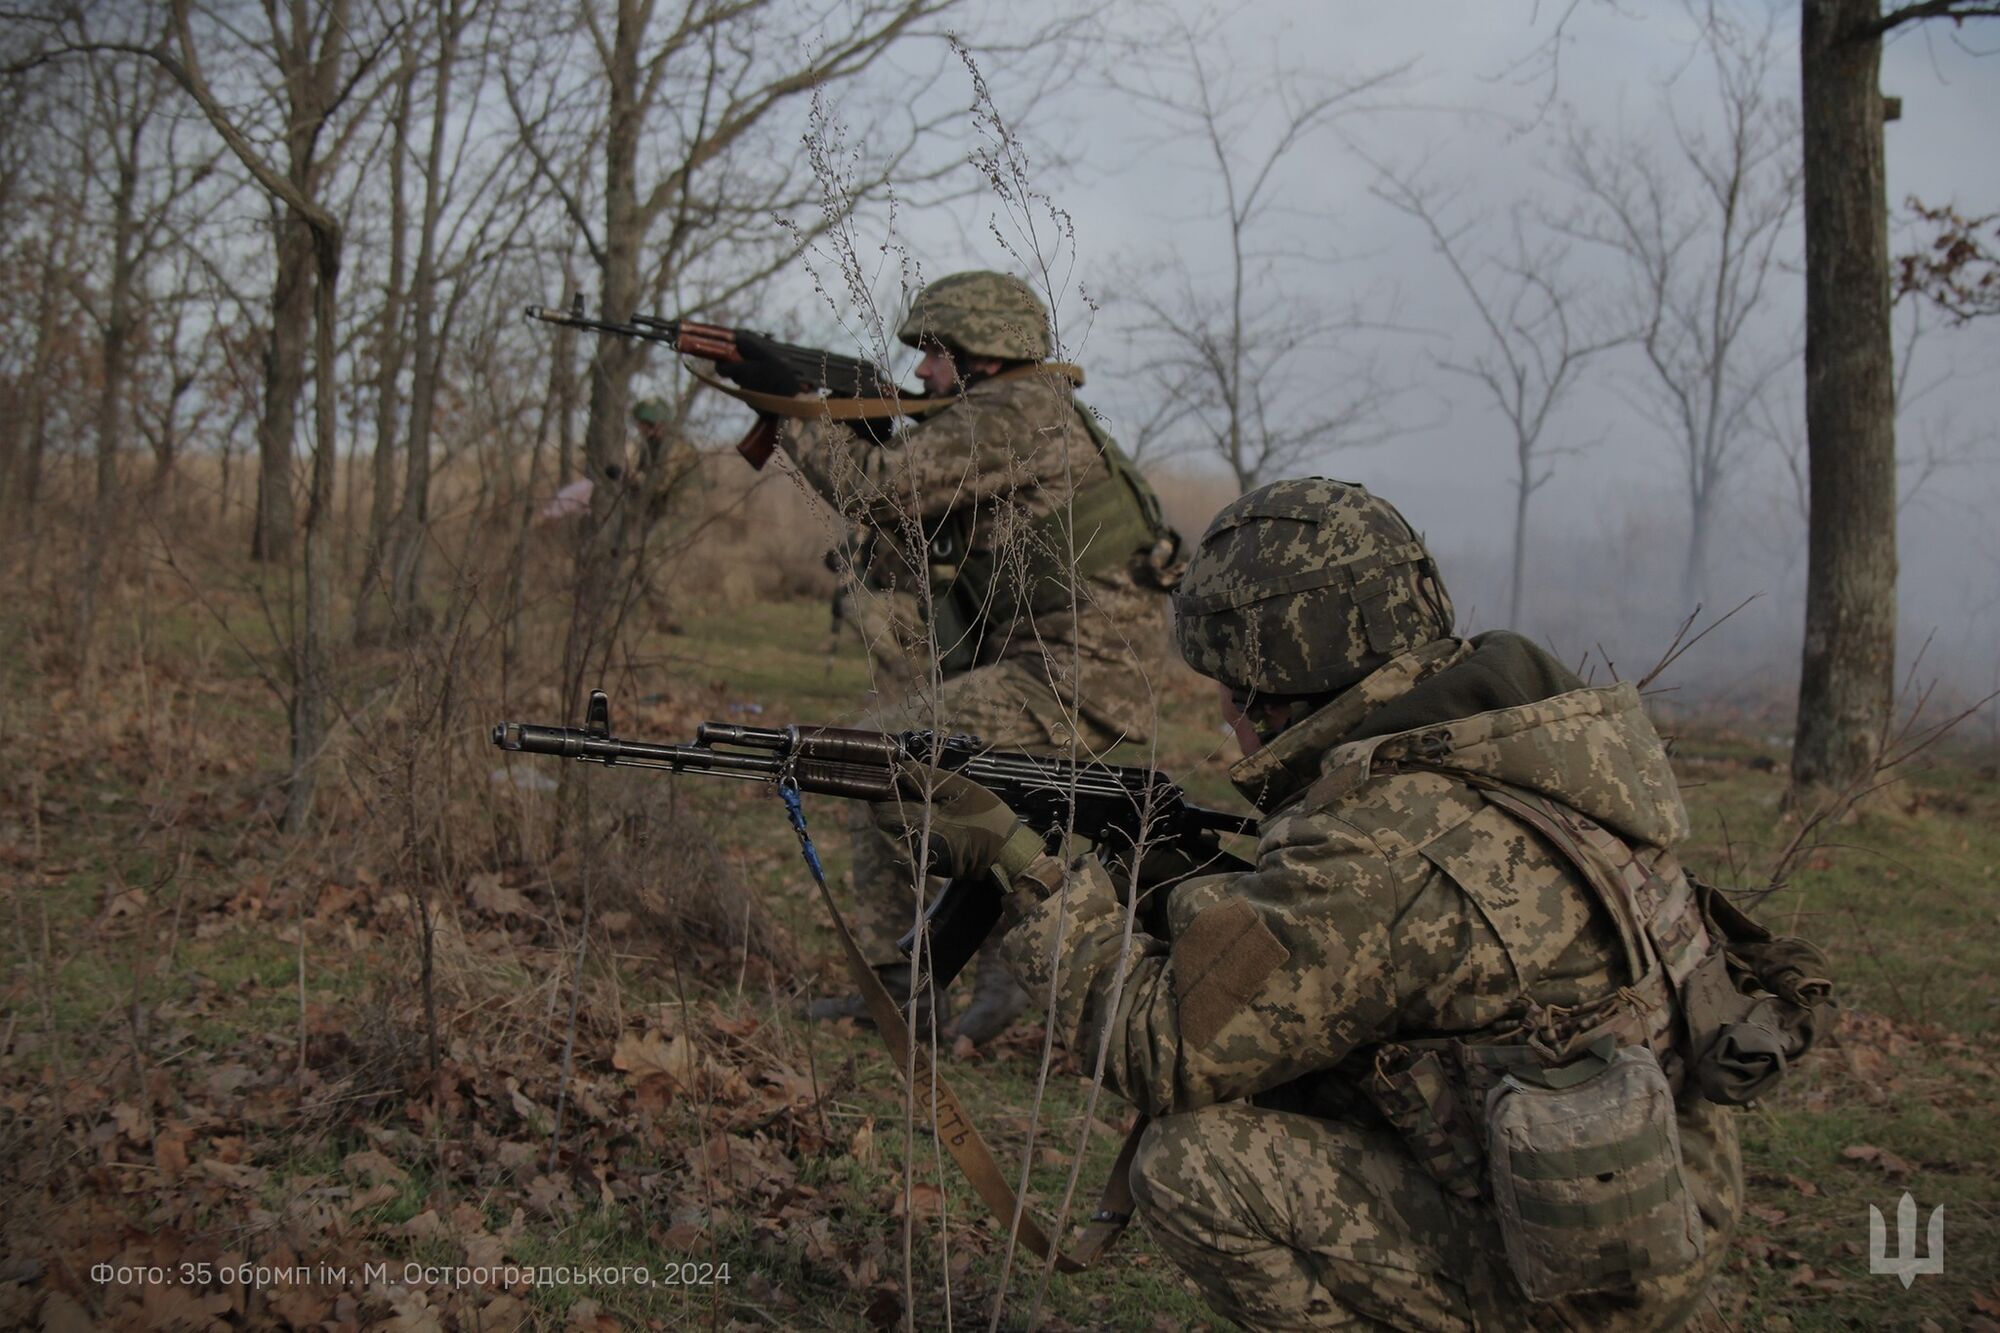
(972, 830)
(1164, 863)
(761, 370)
(874, 430)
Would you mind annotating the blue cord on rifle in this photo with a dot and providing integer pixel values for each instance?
(788, 791)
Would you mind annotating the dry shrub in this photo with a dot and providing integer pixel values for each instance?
(758, 536)
(661, 869)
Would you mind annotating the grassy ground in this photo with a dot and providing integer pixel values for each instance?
(219, 1041)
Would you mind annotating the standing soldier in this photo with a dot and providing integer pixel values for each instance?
(1038, 554)
(1454, 1052)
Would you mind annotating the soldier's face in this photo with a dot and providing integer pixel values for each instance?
(1254, 720)
(1239, 722)
(938, 372)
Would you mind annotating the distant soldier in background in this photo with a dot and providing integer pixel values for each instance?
(1036, 554)
(667, 470)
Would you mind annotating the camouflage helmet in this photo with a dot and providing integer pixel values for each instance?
(981, 313)
(1304, 587)
(651, 412)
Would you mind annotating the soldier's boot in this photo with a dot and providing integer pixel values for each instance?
(997, 999)
(895, 978)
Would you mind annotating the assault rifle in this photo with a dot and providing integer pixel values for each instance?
(1119, 809)
(832, 375)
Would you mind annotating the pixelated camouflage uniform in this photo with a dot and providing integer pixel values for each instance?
(877, 598)
(1011, 450)
(889, 624)
(1387, 903)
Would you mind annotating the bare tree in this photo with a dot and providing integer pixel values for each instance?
(43, 238)
(430, 312)
(391, 354)
(1847, 677)
(1239, 359)
(1533, 349)
(131, 162)
(178, 361)
(314, 52)
(666, 141)
(1702, 234)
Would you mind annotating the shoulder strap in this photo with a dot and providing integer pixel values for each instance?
(1548, 819)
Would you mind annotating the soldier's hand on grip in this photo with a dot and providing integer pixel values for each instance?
(762, 369)
(971, 830)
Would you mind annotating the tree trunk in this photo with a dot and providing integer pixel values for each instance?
(613, 361)
(413, 519)
(114, 370)
(311, 683)
(563, 376)
(28, 487)
(1847, 677)
(275, 528)
(1521, 490)
(389, 356)
(1694, 575)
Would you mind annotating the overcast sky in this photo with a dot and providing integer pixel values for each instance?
(1481, 107)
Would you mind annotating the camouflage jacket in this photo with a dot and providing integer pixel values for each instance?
(1009, 452)
(1388, 901)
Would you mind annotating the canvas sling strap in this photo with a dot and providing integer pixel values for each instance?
(936, 1102)
(763, 437)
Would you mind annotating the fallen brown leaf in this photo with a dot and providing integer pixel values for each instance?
(371, 1165)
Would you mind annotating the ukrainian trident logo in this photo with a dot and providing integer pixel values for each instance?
(1906, 1263)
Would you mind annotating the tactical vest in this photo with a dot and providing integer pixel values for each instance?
(1721, 1004)
(978, 595)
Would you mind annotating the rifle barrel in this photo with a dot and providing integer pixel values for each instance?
(861, 765)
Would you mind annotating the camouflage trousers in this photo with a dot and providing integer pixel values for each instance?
(1289, 1222)
(1009, 707)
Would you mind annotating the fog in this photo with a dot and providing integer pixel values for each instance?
(1482, 101)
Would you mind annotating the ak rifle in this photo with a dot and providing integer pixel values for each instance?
(1119, 809)
(830, 375)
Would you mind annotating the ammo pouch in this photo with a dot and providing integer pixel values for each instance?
(1715, 1006)
(1585, 1169)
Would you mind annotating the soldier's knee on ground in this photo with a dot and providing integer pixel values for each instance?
(1289, 1222)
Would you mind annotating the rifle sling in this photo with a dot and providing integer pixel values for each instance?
(934, 1098)
(813, 407)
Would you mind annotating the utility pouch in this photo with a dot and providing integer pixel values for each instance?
(1756, 1004)
(1584, 1161)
